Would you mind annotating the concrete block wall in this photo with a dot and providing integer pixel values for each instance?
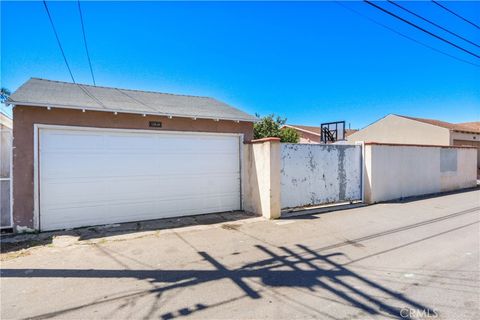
(390, 171)
(394, 171)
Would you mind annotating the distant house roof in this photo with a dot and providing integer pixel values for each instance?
(472, 127)
(350, 131)
(316, 130)
(309, 129)
(56, 94)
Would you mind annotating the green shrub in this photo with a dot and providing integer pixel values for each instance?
(271, 126)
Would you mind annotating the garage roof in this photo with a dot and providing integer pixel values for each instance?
(57, 94)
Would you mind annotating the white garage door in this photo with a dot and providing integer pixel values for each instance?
(92, 177)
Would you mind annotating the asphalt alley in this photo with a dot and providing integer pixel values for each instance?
(411, 259)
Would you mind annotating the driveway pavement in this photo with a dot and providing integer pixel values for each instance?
(416, 259)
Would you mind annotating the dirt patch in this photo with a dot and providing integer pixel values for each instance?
(9, 247)
(230, 226)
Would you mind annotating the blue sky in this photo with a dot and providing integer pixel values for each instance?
(311, 62)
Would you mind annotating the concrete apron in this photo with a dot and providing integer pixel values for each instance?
(125, 231)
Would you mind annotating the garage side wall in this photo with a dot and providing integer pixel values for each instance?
(23, 144)
(399, 171)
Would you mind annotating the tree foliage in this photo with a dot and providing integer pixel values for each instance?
(4, 94)
(289, 135)
(271, 126)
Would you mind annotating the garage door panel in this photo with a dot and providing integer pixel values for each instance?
(128, 142)
(101, 213)
(72, 141)
(215, 144)
(75, 165)
(72, 165)
(64, 192)
(147, 210)
(104, 176)
(194, 163)
(168, 143)
(224, 201)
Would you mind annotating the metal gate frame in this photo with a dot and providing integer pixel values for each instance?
(10, 178)
(362, 168)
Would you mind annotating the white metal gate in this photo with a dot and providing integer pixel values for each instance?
(5, 178)
(315, 174)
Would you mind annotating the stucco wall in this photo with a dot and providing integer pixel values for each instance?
(5, 122)
(467, 139)
(26, 117)
(262, 177)
(313, 174)
(474, 137)
(306, 137)
(395, 129)
(396, 171)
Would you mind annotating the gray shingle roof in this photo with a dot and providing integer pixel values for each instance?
(48, 93)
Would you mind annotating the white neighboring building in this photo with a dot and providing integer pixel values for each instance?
(408, 130)
(5, 121)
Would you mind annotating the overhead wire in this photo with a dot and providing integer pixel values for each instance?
(420, 28)
(406, 36)
(456, 14)
(433, 23)
(85, 42)
(58, 41)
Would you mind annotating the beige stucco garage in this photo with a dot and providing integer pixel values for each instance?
(87, 155)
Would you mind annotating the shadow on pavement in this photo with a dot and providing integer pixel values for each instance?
(299, 267)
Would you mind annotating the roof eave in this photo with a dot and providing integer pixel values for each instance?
(465, 131)
(75, 107)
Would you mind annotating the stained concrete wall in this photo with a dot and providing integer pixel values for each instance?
(399, 171)
(313, 174)
(261, 177)
(396, 129)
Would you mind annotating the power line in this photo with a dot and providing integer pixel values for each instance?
(85, 42)
(91, 95)
(421, 29)
(456, 14)
(433, 23)
(58, 41)
(405, 36)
